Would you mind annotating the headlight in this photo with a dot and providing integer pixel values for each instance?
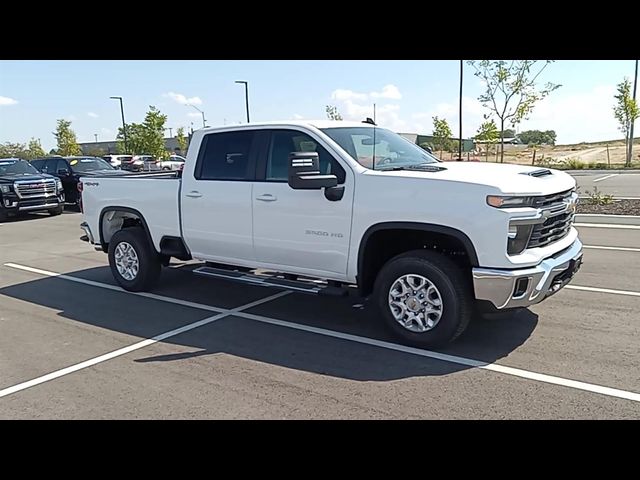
(499, 201)
(58, 185)
(5, 188)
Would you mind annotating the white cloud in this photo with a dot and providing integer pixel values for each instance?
(7, 101)
(182, 99)
(388, 91)
(92, 115)
(194, 114)
(344, 95)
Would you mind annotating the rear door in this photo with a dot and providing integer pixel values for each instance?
(216, 198)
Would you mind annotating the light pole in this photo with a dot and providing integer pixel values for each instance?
(246, 96)
(170, 131)
(124, 125)
(96, 137)
(460, 139)
(204, 124)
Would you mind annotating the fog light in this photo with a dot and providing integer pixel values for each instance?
(522, 284)
(7, 202)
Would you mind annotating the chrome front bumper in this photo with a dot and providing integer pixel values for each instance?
(543, 280)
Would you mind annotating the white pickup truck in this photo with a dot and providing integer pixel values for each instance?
(318, 207)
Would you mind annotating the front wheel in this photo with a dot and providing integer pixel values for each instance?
(134, 262)
(56, 211)
(424, 298)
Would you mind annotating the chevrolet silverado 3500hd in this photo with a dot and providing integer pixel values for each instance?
(319, 206)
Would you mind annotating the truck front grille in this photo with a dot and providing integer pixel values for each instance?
(35, 189)
(559, 221)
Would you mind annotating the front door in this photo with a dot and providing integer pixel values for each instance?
(300, 229)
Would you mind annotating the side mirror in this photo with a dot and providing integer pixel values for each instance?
(63, 172)
(304, 172)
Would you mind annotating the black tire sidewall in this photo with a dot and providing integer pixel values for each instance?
(56, 211)
(449, 324)
(149, 262)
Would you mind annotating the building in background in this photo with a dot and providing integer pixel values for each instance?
(106, 148)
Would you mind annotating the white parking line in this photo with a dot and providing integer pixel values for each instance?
(621, 249)
(607, 225)
(540, 377)
(603, 290)
(605, 177)
(131, 348)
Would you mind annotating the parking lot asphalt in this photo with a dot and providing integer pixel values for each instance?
(78, 347)
(623, 185)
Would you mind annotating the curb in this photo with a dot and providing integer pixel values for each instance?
(609, 219)
(588, 172)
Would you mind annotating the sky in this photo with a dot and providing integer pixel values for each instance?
(407, 94)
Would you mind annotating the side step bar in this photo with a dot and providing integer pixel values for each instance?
(271, 281)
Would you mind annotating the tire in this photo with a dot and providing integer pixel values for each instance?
(56, 211)
(452, 289)
(147, 258)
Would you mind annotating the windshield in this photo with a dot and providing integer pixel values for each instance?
(379, 148)
(16, 167)
(88, 164)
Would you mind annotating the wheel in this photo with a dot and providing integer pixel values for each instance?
(56, 211)
(424, 298)
(134, 262)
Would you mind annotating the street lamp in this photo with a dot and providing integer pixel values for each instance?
(246, 96)
(203, 120)
(124, 125)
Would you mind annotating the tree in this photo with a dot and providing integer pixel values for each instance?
(509, 133)
(13, 150)
(333, 113)
(34, 149)
(441, 135)
(146, 137)
(511, 89)
(66, 138)
(487, 133)
(538, 137)
(181, 140)
(626, 112)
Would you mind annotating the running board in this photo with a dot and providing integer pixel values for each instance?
(271, 281)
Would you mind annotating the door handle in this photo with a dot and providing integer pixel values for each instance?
(194, 194)
(267, 197)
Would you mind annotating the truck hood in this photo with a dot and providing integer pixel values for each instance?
(507, 178)
(12, 177)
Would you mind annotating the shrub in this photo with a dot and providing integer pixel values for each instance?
(574, 164)
(598, 198)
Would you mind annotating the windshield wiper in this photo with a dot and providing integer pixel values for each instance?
(423, 167)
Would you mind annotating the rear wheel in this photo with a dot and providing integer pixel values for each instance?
(424, 298)
(134, 262)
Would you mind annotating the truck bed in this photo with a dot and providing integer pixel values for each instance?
(156, 196)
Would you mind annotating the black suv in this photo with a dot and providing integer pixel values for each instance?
(24, 189)
(70, 169)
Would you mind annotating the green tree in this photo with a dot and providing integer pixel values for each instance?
(509, 133)
(333, 113)
(34, 149)
(441, 135)
(538, 137)
(13, 150)
(626, 112)
(181, 139)
(66, 138)
(147, 137)
(487, 133)
(511, 90)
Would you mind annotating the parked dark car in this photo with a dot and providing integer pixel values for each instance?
(24, 189)
(70, 169)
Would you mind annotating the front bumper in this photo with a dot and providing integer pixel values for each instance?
(527, 286)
